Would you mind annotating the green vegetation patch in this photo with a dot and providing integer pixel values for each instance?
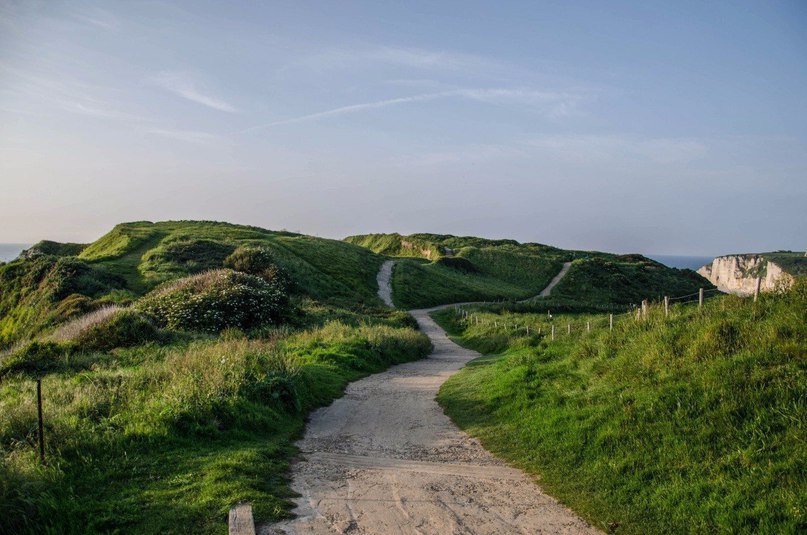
(165, 439)
(625, 280)
(216, 300)
(692, 423)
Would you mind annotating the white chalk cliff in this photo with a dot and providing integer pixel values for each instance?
(738, 274)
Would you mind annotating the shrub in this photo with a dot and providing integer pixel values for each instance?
(258, 261)
(215, 300)
(122, 328)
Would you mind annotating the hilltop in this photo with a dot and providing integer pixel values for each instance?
(53, 282)
(434, 269)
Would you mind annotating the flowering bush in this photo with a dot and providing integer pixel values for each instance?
(216, 300)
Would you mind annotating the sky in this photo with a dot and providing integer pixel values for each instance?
(652, 127)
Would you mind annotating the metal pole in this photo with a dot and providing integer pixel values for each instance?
(41, 425)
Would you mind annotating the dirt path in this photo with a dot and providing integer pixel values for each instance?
(385, 459)
(554, 282)
(385, 283)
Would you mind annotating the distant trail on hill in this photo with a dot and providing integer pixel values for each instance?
(385, 283)
(386, 459)
(554, 282)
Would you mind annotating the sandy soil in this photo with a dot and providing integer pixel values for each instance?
(385, 459)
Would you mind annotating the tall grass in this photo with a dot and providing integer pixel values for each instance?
(692, 423)
(158, 439)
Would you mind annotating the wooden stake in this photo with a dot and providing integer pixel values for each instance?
(553, 332)
(645, 308)
(756, 289)
(568, 328)
(610, 322)
(700, 297)
(588, 326)
(41, 424)
(666, 305)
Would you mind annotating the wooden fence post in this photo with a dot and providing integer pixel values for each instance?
(611, 322)
(588, 326)
(568, 328)
(666, 305)
(645, 307)
(553, 331)
(528, 330)
(700, 297)
(756, 289)
(41, 423)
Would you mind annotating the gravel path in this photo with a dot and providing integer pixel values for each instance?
(385, 459)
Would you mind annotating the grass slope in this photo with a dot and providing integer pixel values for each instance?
(688, 424)
(164, 439)
(435, 269)
(36, 293)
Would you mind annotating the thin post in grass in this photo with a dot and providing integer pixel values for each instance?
(611, 321)
(666, 305)
(528, 330)
(757, 286)
(645, 307)
(553, 332)
(700, 297)
(588, 326)
(41, 424)
(568, 328)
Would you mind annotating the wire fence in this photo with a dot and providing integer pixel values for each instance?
(554, 328)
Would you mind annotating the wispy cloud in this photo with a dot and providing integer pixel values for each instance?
(413, 58)
(191, 136)
(343, 110)
(97, 17)
(551, 103)
(184, 85)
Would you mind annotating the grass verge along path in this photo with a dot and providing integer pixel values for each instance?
(688, 424)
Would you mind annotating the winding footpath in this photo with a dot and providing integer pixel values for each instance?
(384, 459)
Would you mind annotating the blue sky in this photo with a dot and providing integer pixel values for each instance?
(656, 127)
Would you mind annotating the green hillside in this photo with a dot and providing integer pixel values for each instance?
(52, 285)
(178, 362)
(692, 423)
(434, 269)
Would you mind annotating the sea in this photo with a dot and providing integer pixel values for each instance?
(681, 262)
(10, 251)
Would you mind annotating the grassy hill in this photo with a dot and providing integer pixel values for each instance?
(433, 269)
(179, 361)
(58, 281)
(692, 423)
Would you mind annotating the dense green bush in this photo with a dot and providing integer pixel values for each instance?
(124, 328)
(215, 300)
(258, 261)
